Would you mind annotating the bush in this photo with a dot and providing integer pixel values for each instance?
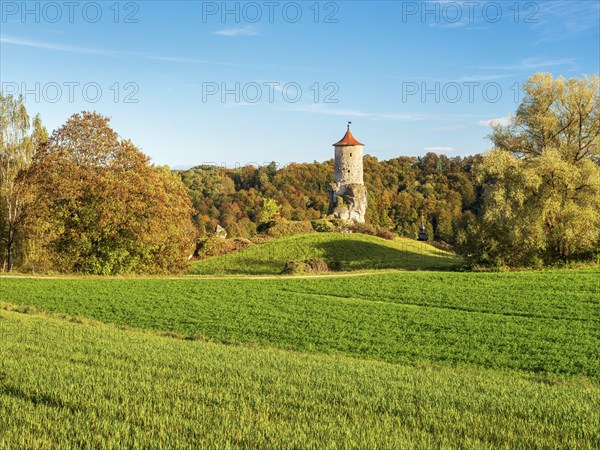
(323, 226)
(339, 224)
(385, 234)
(214, 246)
(442, 245)
(286, 228)
(242, 228)
(315, 265)
(364, 228)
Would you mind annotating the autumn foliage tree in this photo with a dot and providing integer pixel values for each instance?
(98, 206)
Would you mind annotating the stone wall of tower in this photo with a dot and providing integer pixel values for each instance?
(348, 164)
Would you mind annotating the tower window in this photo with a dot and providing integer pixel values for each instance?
(348, 171)
(350, 154)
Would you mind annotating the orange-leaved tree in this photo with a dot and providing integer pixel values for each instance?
(98, 205)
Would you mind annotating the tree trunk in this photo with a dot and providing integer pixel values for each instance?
(10, 249)
(10, 257)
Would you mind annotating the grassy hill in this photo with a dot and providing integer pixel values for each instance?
(353, 252)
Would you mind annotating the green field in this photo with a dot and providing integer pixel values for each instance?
(397, 359)
(73, 385)
(353, 252)
(530, 321)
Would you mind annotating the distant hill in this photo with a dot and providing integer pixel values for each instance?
(350, 252)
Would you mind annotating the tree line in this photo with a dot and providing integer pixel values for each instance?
(84, 200)
(400, 190)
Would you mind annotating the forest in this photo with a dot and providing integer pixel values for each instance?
(399, 191)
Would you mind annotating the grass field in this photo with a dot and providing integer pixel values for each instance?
(353, 252)
(80, 385)
(396, 359)
(529, 321)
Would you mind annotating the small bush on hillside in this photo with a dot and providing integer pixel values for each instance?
(286, 228)
(339, 224)
(217, 246)
(385, 234)
(242, 228)
(364, 228)
(323, 226)
(314, 265)
(442, 245)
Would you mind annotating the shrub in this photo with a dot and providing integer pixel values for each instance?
(339, 224)
(214, 246)
(385, 234)
(323, 226)
(314, 265)
(286, 228)
(242, 228)
(364, 228)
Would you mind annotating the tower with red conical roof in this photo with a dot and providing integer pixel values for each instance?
(348, 195)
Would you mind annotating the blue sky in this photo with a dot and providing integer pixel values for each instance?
(411, 76)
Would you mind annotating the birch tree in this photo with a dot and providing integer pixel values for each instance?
(19, 138)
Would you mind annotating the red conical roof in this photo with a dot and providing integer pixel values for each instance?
(348, 139)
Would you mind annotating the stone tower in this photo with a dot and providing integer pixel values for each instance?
(347, 194)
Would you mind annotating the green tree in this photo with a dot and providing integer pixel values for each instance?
(19, 138)
(556, 115)
(270, 211)
(541, 183)
(101, 207)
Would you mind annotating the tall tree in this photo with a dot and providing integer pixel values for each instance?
(557, 115)
(101, 207)
(19, 138)
(542, 180)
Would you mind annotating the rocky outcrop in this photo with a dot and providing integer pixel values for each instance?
(220, 232)
(348, 201)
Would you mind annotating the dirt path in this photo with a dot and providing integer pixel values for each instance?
(196, 277)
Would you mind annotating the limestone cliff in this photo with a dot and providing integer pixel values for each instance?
(348, 201)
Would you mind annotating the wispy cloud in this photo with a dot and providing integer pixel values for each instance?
(249, 30)
(550, 20)
(531, 64)
(393, 116)
(560, 20)
(500, 121)
(11, 40)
